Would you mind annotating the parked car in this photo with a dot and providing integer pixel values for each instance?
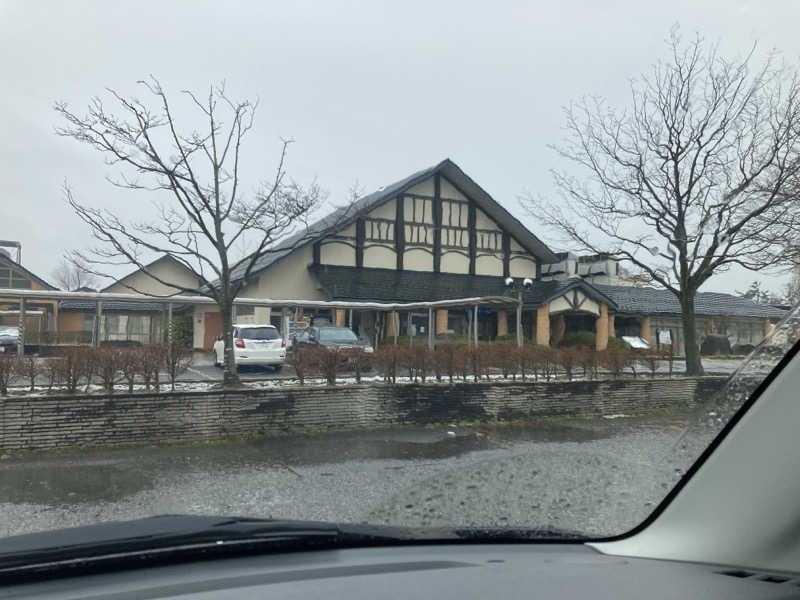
(343, 337)
(9, 338)
(260, 345)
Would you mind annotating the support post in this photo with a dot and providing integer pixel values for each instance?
(430, 328)
(644, 329)
(441, 321)
(21, 338)
(395, 325)
(502, 323)
(559, 327)
(519, 319)
(169, 322)
(543, 325)
(408, 329)
(601, 329)
(475, 325)
(350, 319)
(98, 319)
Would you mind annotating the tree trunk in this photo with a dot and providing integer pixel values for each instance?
(694, 365)
(230, 375)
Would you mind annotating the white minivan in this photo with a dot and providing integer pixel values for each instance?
(260, 345)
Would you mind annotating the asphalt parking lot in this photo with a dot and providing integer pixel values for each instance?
(597, 476)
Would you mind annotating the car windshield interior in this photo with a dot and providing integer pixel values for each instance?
(340, 335)
(433, 265)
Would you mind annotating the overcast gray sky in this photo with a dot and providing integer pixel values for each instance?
(371, 91)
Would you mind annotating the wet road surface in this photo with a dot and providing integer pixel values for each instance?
(598, 476)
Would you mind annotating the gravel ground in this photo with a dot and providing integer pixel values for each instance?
(597, 476)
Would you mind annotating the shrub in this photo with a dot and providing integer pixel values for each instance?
(418, 358)
(30, 368)
(504, 357)
(328, 361)
(300, 359)
(614, 360)
(615, 343)
(183, 329)
(568, 359)
(52, 370)
(149, 365)
(8, 368)
(578, 338)
(108, 362)
(177, 356)
(70, 368)
(358, 361)
(447, 359)
(586, 358)
(649, 358)
(386, 361)
(129, 365)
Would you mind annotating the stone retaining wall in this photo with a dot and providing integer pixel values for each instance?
(40, 423)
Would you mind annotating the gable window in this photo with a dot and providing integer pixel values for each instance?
(11, 279)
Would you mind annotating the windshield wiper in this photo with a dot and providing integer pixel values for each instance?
(180, 534)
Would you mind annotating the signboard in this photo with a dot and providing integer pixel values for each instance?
(636, 342)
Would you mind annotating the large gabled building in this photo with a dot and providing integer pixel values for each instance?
(438, 235)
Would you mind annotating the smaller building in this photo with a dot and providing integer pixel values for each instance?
(84, 322)
(41, 315)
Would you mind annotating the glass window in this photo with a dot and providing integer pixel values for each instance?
(244, 310)
(340, 335)
(18, 281)
(258, 333)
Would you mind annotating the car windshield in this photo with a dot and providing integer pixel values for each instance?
(259, 333)
(340, 335)
(427, 265)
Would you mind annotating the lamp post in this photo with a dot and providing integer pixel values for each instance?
(527, 284)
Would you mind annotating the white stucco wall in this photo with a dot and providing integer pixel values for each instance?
(489, 265)
(379, 257)
(446, 190)
(483, 221)
(561, 304)
(424, 188)
(385, 211)
(332, 252)
(418, 259)
(521, 266)
(454, 262)
(167, 270)
(419, 207)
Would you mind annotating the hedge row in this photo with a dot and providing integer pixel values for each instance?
(459, 361)
(73, 368)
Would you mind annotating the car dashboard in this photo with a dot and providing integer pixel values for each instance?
(429, 571)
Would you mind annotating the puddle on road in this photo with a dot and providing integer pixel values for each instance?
(59, 484)
(110, 475)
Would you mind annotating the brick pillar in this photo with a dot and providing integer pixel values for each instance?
(441, 321)
(502, 323)
(559, 326)
(601, 329)
(392, 321)
(543, 325)
(339, 317)
(711, 326)
(612, 332)
(644, 329)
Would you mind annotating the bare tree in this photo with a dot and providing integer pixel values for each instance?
(698, 174)
(72, 275)
(204, 219)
